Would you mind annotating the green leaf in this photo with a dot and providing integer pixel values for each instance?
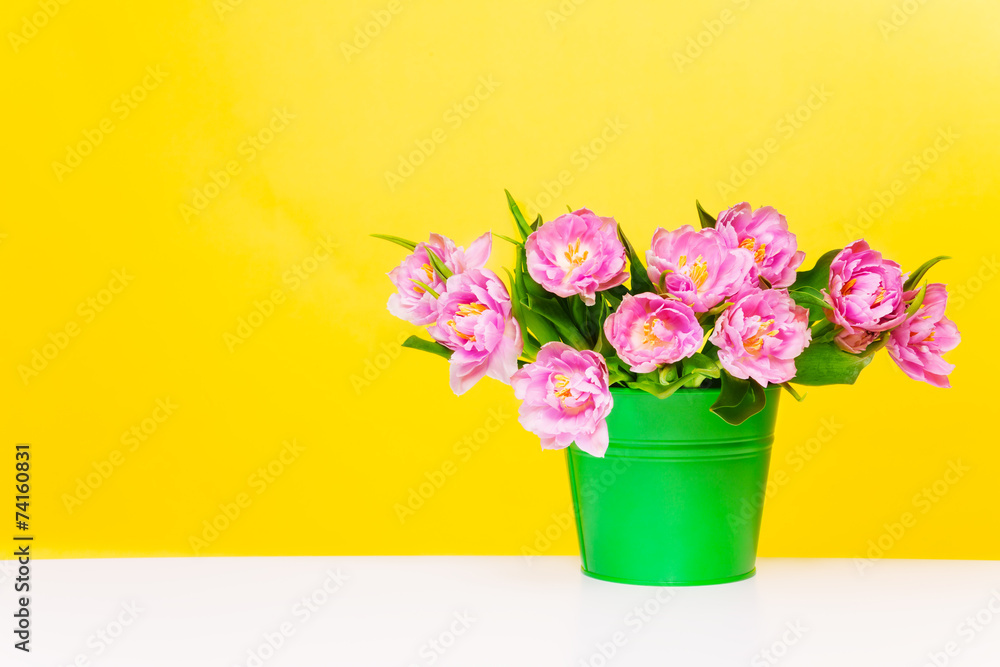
(877, 344)
(551, 311)
(739, 399)
(537, 331)
(825, 363)
(826, 334)
(665, 381)
(811, 298)
(617, 375)
(791, 390)
(617, 369)
(593, 317)
(603, 346)
(513, 287)
(808, 293)
(917, 301)
(818, 276)
(732, 393)
(701, 363)
(918, 275)
(537, 223)
(418, 343)
(537, 324)
(715, 311)
(697, 379)
(540, 325)
(409, 245)
(427, 288)
(619, 291)
(613, 300)
(578, 310)
(704, 216)
(542, 328)
(823, 328)
(667, 374)
(438, 265)
(507, 238)
(527, 284)
(637, 271)
(519, 282)
(531, 345)
(519, 222)
(656, 389)
(660, 390)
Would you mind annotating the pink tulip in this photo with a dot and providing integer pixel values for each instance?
(413, 303)
(474, 320)
(648, 330)
(760, 335)
(764, 233)
(701, 268)
(577, 253)
(865, 294)
(565, 398)
(917, 345)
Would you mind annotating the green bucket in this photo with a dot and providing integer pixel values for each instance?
(678, 497)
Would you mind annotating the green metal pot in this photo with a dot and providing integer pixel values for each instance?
(678, 498)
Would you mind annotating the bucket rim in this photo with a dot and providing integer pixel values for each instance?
(630, 391)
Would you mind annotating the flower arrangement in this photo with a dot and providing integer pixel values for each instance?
(724, 305)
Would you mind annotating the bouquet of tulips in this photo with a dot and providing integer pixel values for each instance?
(724, 304)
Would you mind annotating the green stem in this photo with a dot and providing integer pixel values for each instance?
(575, 312)
(822, 327)
(572, 336)
(877, 345)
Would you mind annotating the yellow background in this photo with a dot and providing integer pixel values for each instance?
(558, 80)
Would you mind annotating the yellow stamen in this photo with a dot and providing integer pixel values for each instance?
(429, 271)
(846, 289)
(755, 342)
(562, 391)
(467, 309)
(648, 337)
(880, 297)
(454, 327)
(751, 245)
(573, 254)
(698, 272)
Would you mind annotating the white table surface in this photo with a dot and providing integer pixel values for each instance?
(511, 611)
